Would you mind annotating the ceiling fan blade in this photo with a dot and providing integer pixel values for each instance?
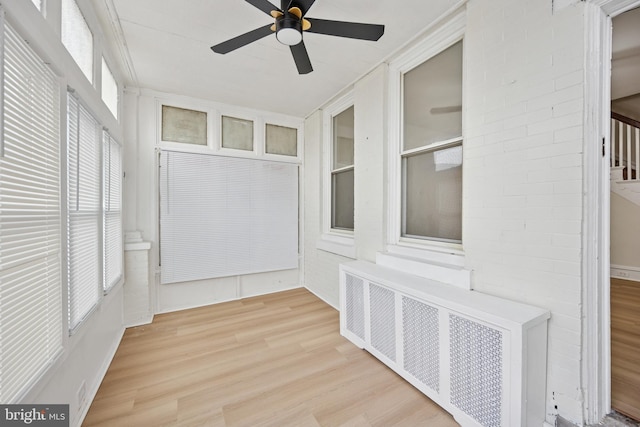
(264, 5)
(352, 30)
(242, 40)
(304, 5)
(301, 57)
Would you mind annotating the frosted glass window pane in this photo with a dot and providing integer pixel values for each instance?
(432, 100)
(237, 133)
(342, 200)
(433, 194)
(77, 37)
(343, 139)
(186, 126)
(281, 140)
(109, 89)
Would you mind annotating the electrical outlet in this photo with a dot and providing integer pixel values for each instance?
(82, 394)
(623, 274)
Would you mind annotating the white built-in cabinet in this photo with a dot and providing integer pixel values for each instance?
(480, 357)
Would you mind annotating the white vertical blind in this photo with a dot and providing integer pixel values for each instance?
(84, 210)
(112, 219)
(30, 214)
(224, 216)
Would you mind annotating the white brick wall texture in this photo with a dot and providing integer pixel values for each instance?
(522, 220)
(523, 171)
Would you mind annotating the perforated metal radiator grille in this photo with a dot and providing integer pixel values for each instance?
(476, 370)
(354, 287)
(421, 342)
(383, 314)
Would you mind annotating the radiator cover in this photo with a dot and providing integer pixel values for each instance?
(480, 357)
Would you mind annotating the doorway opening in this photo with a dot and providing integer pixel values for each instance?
(625, 214)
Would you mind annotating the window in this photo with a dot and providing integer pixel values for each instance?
(30, 214)
(237, 133)
(109, 89)
(112, 211)
(431, 148)
(77, 37)
(185, 126)
(342, 171)
(84, 210)
(281, 140)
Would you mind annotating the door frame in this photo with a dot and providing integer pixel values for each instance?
(596, 364)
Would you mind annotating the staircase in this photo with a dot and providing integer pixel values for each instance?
(625, 157)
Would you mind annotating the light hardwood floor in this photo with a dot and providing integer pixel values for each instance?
(625, 347)
(275, 360)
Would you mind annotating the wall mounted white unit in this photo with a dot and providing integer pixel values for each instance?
(480, 357)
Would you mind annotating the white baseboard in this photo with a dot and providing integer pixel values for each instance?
(103, 372)
(322, 298)
(625, 272)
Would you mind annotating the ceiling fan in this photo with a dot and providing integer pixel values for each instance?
(291, 22)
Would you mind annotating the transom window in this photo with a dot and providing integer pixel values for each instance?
(77, 37)
(431, 151)
(109, 89)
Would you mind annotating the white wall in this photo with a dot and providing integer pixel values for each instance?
(522, 202)
(625, 232)
(141, 116)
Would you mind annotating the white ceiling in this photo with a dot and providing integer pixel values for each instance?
(167, 48)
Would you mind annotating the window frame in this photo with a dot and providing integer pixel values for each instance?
(75, 324)
(109, 142)
(448, 34)
(334, 240)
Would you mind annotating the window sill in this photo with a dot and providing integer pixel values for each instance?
(340, 245)
(444, 263)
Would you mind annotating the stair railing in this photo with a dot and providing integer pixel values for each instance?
(625, 146)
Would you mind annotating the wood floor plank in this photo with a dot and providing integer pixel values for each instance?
(274, 360)
(625, 342)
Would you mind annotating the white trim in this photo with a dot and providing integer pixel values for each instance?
(595, 231)
(596, 272)
(625, 272)
(445, 35)
(346, 248)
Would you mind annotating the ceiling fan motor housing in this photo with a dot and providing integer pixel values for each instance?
(289, 29)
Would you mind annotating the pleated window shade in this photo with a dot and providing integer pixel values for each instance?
(30, 217)
(84, 212)
(225, 216)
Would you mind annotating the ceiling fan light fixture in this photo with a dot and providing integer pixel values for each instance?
(288, 31)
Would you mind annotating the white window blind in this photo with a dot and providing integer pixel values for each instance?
(224, 216)
(84, 200)
(30, 218)
(112, 217)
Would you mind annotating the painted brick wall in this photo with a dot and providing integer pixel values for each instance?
(523, 170)
(523, 166)
(320, 267)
